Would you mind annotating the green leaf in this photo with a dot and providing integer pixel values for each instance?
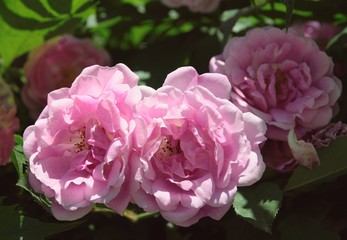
(338, 39)
(259, 204)
(17, 157)
(333, 163)
(66, 27)
(14, 20)
(14, 226)
(18, 139)
(19, 161)
(39, 198)
(26, 26)
(21, 42)
(37, 7)
(62, 6)
(301, 227)
(83, 7)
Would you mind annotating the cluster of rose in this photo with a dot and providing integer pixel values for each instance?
(183, 149)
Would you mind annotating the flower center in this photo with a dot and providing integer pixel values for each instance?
(281, 80)
(168, 148)
(79, 140)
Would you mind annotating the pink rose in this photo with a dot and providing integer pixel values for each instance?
(8, 122)
(322, 33)
(281, 77)
(56, 64)
(80, 145)
(202, 6)
(196, 148)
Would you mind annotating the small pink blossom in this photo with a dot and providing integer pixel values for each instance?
(202, 6)
(80, 145)
(9, 124)
(281, 77)
(321, 32)
(196, 148)
(56, 64)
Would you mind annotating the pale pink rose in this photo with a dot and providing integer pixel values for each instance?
(202, 6)
(321, 32)
(196, 148)
(56, 64)
(9, 124)
(281, 77)
(80, 145)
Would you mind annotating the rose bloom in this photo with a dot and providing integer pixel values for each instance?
(56, 64)
(281, 77)
(202, 6)
(79, 147)
(8, 122)
(196, 148)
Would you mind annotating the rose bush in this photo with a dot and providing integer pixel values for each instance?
(79, 147)
(56, 64)
(196, 148)
(9, 123)
(281, 77)
(178, 154)
(202, 6)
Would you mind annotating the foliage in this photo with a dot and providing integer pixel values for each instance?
(259, 204)
(154, 40)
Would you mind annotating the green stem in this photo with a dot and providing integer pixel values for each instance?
(129, 214)
(103, 210)
(134, 217)
(145, 215)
